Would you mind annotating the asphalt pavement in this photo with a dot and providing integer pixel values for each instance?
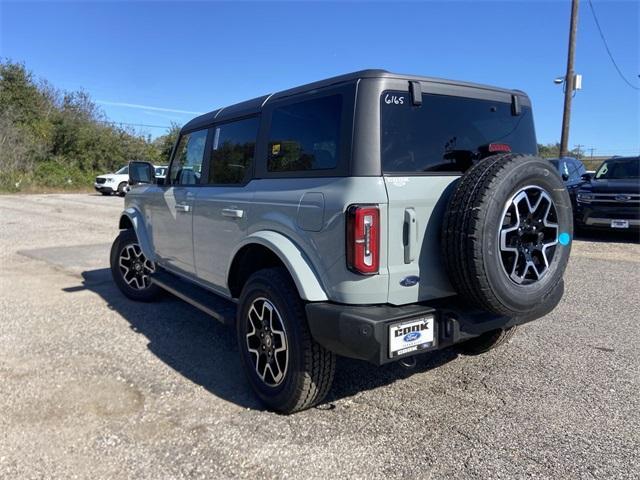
(93, 385)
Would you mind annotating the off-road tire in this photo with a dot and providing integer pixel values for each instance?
(487, 341)
(471, 235)
(310, 367)
(152, 292)
(122, 189)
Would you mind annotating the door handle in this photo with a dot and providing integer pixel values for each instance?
(410, 234)
(232, 212)
(182, 207)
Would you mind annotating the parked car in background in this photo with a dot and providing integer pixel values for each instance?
(118, 182)
(571, 170)
(610, 198)
(110, 183)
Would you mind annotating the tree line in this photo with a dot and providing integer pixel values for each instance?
(61, 139)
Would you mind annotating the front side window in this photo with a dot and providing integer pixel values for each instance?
(305, 135)
(187, 161)
(447, 133)
(234, 147)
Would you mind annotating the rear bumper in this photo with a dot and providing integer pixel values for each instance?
(362, 332)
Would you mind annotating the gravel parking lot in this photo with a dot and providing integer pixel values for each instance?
(93, 385)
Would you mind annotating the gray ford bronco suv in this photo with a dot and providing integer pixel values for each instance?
(372, 215)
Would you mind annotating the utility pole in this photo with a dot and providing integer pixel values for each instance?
(569, 79)
(578, 149)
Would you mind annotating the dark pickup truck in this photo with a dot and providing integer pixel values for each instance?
(611, 198)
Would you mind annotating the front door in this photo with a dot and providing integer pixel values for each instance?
(172, 212)
(222, 208)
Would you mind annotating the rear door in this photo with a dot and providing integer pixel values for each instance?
(424, 150)
(171, 225)
(222, 207)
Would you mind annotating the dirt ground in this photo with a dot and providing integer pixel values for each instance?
(93, 385)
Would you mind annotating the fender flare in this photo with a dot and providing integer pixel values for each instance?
(304, 276)
(136, 219)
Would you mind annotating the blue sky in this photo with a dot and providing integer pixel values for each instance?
(182, 58)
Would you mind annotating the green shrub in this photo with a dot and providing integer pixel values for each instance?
(61, 176)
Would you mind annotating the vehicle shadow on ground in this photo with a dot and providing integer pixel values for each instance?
(205, 351)
(608, 236)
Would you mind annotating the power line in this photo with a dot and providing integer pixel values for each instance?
(606, 46)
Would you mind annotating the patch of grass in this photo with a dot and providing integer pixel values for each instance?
(47, 177)
(592, 164)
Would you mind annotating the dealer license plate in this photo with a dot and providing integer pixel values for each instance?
(411, 336)
(619, 223)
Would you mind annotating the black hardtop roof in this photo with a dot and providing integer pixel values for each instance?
(255, 105)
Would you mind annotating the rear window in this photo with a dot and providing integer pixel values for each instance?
(305, 135)
(445, 133)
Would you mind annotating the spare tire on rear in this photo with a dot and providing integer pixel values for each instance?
(506, 235)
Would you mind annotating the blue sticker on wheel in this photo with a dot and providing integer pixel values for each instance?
(564, 238)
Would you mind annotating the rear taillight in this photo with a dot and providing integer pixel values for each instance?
(363, 239)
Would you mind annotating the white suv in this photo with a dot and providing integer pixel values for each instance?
(118, 182)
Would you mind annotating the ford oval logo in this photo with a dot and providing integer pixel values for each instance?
(410, 281)
(411, 336)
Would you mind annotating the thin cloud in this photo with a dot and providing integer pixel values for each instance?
(146, 107)
(171, 118)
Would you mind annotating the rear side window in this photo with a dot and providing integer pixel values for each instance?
(305, 135)
(234, 147)
(446, 133)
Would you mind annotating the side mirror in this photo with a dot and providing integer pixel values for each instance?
(141, 172)
(565, 177)
(586, 177)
